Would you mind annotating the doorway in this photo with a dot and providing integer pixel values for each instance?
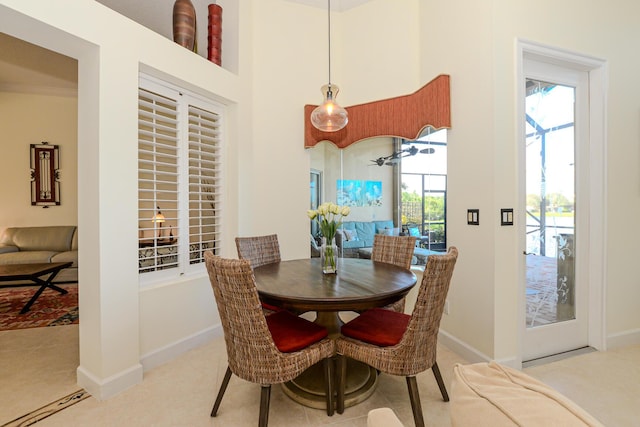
(47, 100)
(561, 135)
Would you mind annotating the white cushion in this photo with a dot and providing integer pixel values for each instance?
(490, 395)
(383, 417)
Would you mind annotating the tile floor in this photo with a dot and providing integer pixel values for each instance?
(39, 367)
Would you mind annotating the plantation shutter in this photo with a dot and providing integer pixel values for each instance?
(204, 183)
(179, 179)
(158, 178)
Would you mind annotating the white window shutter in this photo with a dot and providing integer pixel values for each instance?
(179, 179)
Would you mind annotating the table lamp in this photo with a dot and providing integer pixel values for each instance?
(159, 219)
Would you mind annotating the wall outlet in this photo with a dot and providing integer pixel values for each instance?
(446, 307)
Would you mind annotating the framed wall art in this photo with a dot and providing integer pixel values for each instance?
(45, 174)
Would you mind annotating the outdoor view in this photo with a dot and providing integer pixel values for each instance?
(550, 202)
(424, 190)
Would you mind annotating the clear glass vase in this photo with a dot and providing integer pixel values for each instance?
(329, 256)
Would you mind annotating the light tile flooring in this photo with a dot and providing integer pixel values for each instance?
(38, 366)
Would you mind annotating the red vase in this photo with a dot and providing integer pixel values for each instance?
(214, 49)
(184, 23)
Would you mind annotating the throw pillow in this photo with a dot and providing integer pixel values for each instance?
(414, 231)
(385, 232)
(351, 235)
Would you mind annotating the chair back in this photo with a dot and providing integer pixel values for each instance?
(396, 250)
(251, 351)
(259, 250)
(419, 341)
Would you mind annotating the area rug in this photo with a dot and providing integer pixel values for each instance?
(51, 309)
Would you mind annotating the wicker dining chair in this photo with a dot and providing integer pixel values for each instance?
(396, 250)
(263, 349)
(396, 343)
(260, 250)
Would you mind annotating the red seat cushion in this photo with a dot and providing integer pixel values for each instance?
(292, 333)
(378, 327)
(270, 307)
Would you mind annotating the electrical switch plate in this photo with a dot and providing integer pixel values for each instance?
(473, 216)
(506, 216)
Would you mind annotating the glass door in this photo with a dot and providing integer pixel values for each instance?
(555, 303)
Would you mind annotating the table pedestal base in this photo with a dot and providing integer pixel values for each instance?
(308, 388)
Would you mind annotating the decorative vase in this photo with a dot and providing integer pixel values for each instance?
(184, 24)
(329, 256)
(214, 48)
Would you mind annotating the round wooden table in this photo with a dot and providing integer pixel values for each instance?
(360, 284)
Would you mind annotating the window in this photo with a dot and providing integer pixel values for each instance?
(179, 179)
(424, 190)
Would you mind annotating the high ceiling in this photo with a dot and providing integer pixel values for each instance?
(25, 67)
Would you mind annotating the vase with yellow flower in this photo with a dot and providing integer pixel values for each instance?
(329, 218)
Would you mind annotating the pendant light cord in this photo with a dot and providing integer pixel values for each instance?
(329, 22)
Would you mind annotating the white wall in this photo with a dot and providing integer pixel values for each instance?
(456, 39)
(378, 51)
(29, 118)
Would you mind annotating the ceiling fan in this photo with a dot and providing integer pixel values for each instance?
(394, 158)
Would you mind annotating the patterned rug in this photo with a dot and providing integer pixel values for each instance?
(50, 309)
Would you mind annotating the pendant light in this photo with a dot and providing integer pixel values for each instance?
(329, 117)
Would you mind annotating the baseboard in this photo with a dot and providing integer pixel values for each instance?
(623, 339)
(109, 387)
(461, 348)
(171, 351)
(511, 362)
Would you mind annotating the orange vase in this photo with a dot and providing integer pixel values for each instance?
(184, 23)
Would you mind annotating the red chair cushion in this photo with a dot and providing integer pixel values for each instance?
(292, 333)
(378, 327)
(270, 307)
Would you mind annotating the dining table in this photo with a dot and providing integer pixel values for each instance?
(359, 284)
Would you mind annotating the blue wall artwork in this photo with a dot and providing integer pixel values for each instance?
(372, 193)
(353, 193)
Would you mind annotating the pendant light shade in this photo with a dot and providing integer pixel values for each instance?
(329, 117)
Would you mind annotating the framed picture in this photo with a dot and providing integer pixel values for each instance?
(372, 193)
(45, 174)
(349, 192)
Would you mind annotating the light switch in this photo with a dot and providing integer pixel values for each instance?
(473, 216)
(506, 216)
